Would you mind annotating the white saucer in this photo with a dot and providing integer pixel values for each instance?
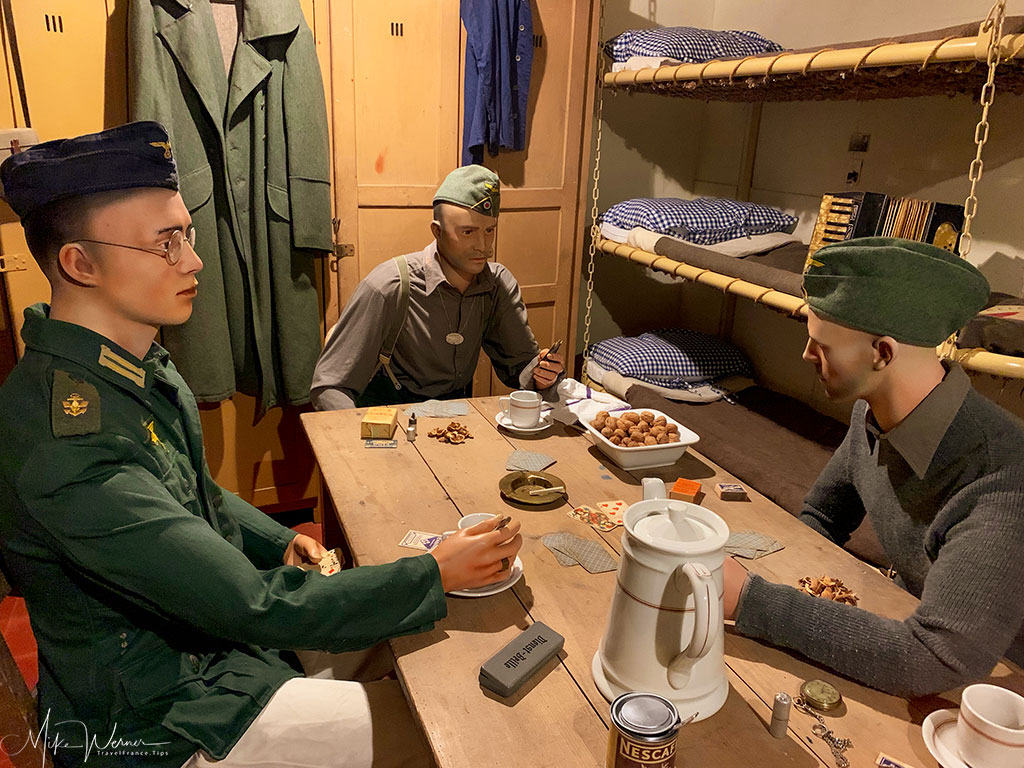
(503, 421)
(939, 732)
(493, 589)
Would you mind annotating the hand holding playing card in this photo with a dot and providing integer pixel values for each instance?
(548, 369)
(479, 555)
(304, 550)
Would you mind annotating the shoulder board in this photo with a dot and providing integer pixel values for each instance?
(74, 406)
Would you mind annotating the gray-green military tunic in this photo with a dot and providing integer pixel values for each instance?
(490, 314)
(156, 596)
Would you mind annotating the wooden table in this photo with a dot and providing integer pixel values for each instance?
(560, 718)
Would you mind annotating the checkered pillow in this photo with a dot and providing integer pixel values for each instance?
(673, 357)
(688, 44)
(704, 221)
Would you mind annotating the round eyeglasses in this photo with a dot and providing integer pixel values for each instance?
(169, 251)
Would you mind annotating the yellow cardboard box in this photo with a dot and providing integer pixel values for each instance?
(379, 422)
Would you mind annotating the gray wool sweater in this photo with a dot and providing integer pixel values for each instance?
(944, 490)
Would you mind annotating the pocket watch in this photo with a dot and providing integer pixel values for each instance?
(820, 695)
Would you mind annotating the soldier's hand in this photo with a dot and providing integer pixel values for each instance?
(480, 555)
(547, 371)
(304, 549)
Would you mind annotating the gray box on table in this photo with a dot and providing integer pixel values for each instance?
(506, 671)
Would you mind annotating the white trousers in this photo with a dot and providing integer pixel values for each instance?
(329, 719)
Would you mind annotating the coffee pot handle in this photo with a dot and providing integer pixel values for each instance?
(707, 613)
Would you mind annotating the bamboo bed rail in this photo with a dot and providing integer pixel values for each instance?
(974, 360)
(823, 60)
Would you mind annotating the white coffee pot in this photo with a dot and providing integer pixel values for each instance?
(665, 631)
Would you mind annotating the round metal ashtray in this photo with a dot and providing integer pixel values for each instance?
(516, 486)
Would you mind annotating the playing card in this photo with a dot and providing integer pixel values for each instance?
(439, 409)
(591, 555)
(329, 564)
(420, 540)
(592, 517)
(528, 461)
(751, 544)
(613, 509)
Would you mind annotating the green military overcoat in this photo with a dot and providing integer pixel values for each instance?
(254, 169)
(155, 596)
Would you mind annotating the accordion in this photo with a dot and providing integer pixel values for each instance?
(846, 215)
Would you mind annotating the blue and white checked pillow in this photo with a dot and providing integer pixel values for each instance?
(704, 221)
(688, 44)
(675, 358)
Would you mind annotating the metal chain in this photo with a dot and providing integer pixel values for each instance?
(595, 229)
(823, 732)
(993, 26)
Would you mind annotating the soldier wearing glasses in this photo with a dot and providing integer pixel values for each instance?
(156, 597)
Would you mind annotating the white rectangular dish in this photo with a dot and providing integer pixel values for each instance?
(647, 456)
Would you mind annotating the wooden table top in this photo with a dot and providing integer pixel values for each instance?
(559, 717)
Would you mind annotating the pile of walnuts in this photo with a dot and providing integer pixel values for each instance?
(830, 588)
(454, 433)
(634, 430)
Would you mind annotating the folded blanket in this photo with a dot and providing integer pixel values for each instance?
(703, 220)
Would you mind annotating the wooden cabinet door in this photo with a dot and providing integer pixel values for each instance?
(398, 75)
(537, 233)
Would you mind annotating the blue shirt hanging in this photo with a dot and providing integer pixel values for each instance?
(499, 54)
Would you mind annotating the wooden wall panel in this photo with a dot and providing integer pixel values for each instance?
(388, 232)
(528, 244)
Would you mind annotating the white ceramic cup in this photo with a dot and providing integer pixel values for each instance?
(990, 727)
(522, 408)
(477, 517)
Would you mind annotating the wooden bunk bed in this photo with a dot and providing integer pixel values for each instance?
(952, 61)
(948, 61)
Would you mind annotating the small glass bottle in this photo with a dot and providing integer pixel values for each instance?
(410, 430)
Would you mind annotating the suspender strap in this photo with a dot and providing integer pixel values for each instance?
(397, 322)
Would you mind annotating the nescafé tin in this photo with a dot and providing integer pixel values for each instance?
(643, 732)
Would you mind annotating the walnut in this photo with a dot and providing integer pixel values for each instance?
(636, 432)
(644, 426)
(611, 422)
(620, 433)
(601, 416)
(662, 439)
(673, 437)
(650, 440)
(660, 421)
(615, 439)
(630, 416)
(454, 433)
(597, 424)
(657, 430)
(623, 424)
(671, 428)
(647, 416)
(829, 588)
(607, 431)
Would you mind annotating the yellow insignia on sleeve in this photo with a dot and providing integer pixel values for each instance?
(165, 146)
(75, 404)
(811, 262)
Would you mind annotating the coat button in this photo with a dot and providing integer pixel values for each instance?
(522, 28)
(123, 635)
(518, 58)
(195, 661)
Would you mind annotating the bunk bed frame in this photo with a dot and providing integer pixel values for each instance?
(946, 65)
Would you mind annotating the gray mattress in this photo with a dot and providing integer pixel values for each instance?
(780, 268)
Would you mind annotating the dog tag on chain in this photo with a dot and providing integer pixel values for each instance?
(454, 338)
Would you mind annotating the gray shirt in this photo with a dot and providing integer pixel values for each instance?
(489, 315)
(945, 491)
